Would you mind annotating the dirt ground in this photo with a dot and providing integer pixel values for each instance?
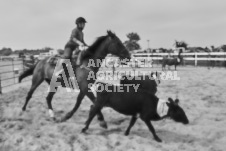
(201, 93)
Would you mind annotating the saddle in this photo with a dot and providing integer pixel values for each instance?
(54, 59)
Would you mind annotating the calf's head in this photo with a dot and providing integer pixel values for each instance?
(175, 112)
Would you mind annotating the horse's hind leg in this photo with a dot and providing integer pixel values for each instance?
(100, 116)
(49, 103)
(69, 114)
(36, 81)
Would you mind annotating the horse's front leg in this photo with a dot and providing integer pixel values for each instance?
(69, 114)
(100, 116)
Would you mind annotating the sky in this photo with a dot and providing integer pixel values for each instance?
(34, 24)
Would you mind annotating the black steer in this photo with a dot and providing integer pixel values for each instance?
(136, 103)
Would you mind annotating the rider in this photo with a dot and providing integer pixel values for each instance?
(74, 42)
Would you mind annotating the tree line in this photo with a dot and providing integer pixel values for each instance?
(131, 44)
(8, 51)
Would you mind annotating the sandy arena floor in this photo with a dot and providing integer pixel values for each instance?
(201, 93)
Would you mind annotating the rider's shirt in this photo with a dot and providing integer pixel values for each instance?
(78, 34)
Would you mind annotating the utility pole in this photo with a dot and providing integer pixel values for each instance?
(148, 43)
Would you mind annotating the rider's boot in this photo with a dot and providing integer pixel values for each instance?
(79, 59)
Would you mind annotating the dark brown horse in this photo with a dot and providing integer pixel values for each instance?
(109, 44)
(172, 61)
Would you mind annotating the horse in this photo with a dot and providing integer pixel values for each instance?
(136, 103)
(109, 44)
(172, 61)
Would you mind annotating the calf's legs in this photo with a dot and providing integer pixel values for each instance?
(151, 128)
(132, 122)
(93, 112)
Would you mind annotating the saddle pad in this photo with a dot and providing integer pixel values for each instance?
(53, 59)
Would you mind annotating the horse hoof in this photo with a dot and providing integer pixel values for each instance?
(65, 118)
(103, 124)
(23, 109)
(126, 133)
(84, 130)
(158, 139)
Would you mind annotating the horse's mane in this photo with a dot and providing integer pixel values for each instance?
(91, 50)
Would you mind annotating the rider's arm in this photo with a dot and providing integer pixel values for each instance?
(84, 41)
(78, 41)
(75, 37)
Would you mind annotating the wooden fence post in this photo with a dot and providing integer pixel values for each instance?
(0, 85)
(195, 58)
(23, 62)
(224, 64)
(13, 71)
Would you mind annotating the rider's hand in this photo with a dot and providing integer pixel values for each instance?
(87, 46)
(82, 44)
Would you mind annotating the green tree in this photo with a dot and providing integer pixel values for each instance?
(132, 43)
(21, 54)
(6, 51)
(183, 44)
(223, 47)
(60, 51)
(212, 47)
(47, 49)
(133, 36)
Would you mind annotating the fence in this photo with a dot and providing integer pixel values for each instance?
(11, 67)
(195, 59)
(9, 72)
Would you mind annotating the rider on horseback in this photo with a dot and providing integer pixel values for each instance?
(74, 42)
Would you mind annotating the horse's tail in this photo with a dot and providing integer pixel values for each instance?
(26, 73)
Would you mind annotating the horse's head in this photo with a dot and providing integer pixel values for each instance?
(176, 112)
(116, 46)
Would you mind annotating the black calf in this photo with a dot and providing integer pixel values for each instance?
(136, 103)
